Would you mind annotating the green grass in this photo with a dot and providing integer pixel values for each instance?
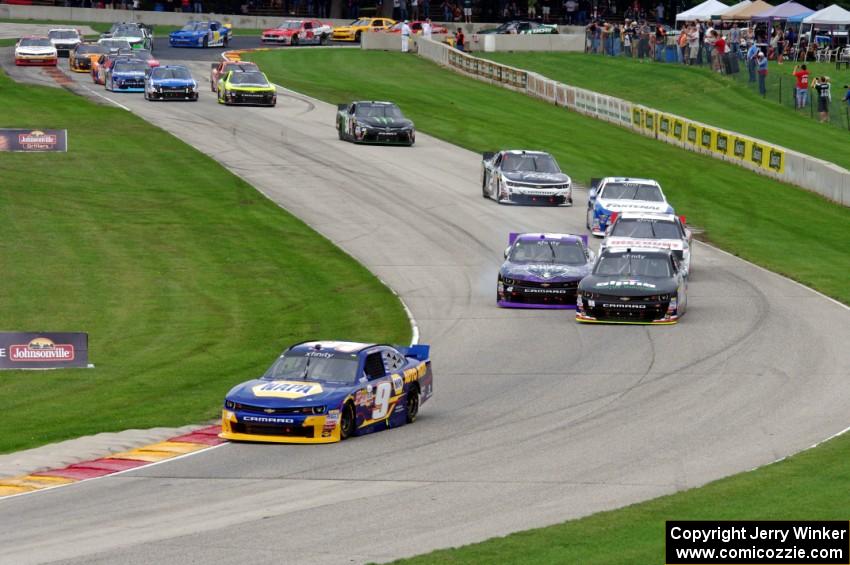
(186, 278)
(784, 228)
(699, 94)
(802, 487)
(159, 31)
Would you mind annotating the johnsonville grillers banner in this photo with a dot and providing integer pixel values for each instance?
(34, 140)
(20, 350)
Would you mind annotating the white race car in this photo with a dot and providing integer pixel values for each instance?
(622, 194)
(35, 50)
(648, 230)
(525, 177)
(64, 40)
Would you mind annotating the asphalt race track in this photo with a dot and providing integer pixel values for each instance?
(535, 419)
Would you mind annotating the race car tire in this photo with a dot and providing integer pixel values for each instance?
(323, 40)
(339, 131)
(294, 41)
(206, 42)
(411, 405)
(587, 218)
(226, 40)
(484, 187)
(357, 37)
(347, 423)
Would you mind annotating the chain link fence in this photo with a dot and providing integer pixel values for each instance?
(780, 85)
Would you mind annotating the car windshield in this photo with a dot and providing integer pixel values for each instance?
(130, 67)
(195, 26)
(240, 67)
(249, 77)
(360, 23)
(115, 43)
(633, 264)
(548, 251)
(90, 49)
(127, 31)
(632, 191)
(62, 34)
(304, 368)
(290, 25)
(528, 162)
(163, 73)
(644, 228)
(378, 111)
(36, 42)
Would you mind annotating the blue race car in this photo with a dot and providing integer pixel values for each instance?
(542, 270)
(171, 82)
(328, 391)
(620, 194)
(126, 76)
(201, 34)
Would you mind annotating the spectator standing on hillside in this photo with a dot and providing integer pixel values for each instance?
(532, 9)
(682, 45)
(780, 46)
(405, 37)
(660, 41)
(659, 13)
(467, 11)
(752, 52)
(426, 28)
(761, 69)
(734, 40)
(847, 95)
(546, 6)
(822, 87)
(570, 7)
(719, 50)
(801, 73)
(414, 9)
(459, 40)
(627, 39)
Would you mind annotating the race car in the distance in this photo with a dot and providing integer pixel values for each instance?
(329, 391)
(64, 40)
(170, 82)
(80, 60)
(374, 122)
(139, 37)
(105, 62)
(201, 34)
(521, 27)
(223, 67)
(416, 28)
(298, 32)
(649, 230)
(633, 286)
(355, 29)
(622, 194)
(525, 177)
(35, 51)
(143, 55)
(126, 76)
(542, 270)
(246, 88)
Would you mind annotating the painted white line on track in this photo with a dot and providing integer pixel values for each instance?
(108, 99)
(175, 458)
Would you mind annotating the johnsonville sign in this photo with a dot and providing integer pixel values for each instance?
(20, 350)
(34, 140)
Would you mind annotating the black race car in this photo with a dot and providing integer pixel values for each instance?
(374, 122)
(633, 286)
(521, 27)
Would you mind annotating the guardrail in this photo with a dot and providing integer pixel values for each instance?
(762, 157)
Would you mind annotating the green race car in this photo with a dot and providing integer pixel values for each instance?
(249, 88)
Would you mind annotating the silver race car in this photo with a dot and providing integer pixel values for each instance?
(525, 177)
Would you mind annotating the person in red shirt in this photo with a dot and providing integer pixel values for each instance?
(802, 76)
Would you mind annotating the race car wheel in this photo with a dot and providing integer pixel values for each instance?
(484, 188)
(588, 218)
(226, 41)
(339, 131)
(206, 42)
(357, 37)
(347, 422)
(294, 41)
(323, 40)
(412, 405)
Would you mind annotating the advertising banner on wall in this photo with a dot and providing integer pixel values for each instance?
(29, 350)
(34, 140)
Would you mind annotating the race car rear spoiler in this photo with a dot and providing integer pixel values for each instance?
(419, 352)
(513, 235)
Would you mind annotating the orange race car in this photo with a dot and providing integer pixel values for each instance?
(83, 56)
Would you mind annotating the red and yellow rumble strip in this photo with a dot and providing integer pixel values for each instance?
(139, 457)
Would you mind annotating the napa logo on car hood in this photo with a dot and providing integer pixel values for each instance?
(286, 389)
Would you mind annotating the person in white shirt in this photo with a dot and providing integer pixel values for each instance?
(405, 37)
(426, 29)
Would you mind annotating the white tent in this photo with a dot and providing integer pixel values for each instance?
(831, 15)
(703, 11)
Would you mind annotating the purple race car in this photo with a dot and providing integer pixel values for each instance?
(542, 270)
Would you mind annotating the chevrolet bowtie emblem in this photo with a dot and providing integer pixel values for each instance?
(269, 410)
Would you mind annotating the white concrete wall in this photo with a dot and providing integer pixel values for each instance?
(805, 171)
(381, 41)
(555, 42)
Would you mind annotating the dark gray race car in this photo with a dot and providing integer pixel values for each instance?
(374, 122)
